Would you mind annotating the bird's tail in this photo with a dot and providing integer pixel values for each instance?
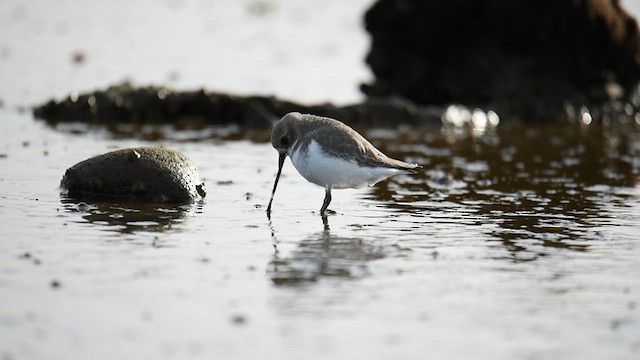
(402, 165)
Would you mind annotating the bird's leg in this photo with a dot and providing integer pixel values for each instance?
(327, 200)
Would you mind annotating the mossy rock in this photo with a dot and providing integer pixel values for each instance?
(145, 173)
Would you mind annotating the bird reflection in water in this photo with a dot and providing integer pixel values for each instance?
(324, 254)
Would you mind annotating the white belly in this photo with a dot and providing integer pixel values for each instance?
(324, 170)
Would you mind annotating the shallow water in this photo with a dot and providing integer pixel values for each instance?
(514, 243)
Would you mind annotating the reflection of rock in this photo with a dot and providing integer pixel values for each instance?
(147, 173)
(128, 217)
(522, 58)
(325, 255)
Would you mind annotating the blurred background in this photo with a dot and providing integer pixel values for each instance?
(302, 50)
(314, 53)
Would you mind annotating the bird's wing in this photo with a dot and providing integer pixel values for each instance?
(351, 146)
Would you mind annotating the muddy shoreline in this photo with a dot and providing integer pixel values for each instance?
(124, 103)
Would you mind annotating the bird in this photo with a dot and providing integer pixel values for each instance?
(329, 153)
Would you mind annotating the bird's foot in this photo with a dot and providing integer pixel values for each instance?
(328, 212)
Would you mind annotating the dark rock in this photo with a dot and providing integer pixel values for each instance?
(147, 173)
(524, 59)
(126, 104)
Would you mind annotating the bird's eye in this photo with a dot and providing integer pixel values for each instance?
(284, 141)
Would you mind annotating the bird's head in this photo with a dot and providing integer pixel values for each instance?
(285, 133)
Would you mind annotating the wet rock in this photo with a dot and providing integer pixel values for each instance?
(126, 104)
(146, 173)
(524, 59)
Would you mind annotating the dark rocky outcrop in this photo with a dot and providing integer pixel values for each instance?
(124, 103)
(146, 173)
(524, 59)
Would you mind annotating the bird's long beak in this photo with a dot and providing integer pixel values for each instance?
(275, 185)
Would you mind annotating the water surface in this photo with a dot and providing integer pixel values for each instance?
(514, 243)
